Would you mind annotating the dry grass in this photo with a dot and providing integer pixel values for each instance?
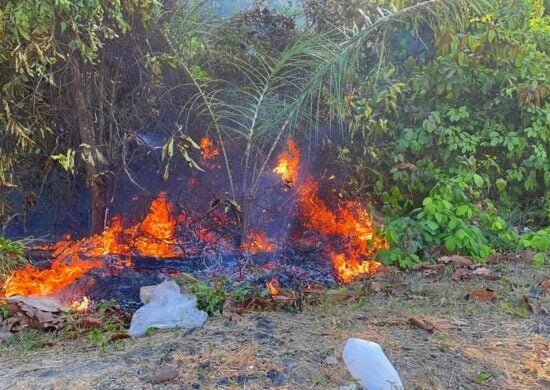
(475, 342)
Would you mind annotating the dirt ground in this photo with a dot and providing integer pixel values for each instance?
(498, 344)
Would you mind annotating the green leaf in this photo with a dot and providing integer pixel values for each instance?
(501, 184)
(432, 225)
(461, 210)
(539, 259)
(450, 244)
(478, 180)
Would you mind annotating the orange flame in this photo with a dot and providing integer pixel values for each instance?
(257, 242)
(208, 149)
(154, 236)
(288, 162)
(81, 306)
(350, 221)
(273, 286)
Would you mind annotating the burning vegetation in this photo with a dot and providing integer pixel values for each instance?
(345, 233)
(153, 236)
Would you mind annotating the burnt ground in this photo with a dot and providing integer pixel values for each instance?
(476, 344)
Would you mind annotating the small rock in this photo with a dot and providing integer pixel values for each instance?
(331, 360)
(165, 374)
(265, 323)
(223, 381)
(289, 363)
(277, 378)
(261, 336)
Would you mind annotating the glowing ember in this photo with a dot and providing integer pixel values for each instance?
(208, 149)
(81, 306)
(288, 162)
(154, 236)
(257, 242)
(273, 286)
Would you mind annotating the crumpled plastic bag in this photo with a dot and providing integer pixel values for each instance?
(367, 362)
(168, 308)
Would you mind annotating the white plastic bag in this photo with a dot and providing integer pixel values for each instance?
(366, 361)
(167, 308)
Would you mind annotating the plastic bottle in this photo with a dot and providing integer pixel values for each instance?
(367, 362)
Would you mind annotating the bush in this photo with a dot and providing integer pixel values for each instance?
(466, 133)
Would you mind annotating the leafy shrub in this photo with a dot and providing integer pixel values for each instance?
(466, 134)
(11, 256)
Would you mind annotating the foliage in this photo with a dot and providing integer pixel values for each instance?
(210, 298)
(538, 241)
(466, 130)
(11, 256)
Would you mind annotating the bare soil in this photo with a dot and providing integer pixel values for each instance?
(497, 344)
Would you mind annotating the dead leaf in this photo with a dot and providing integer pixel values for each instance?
(481, 294)
(422, 266)
(119, 336)
(338, 295)
(165, 374)
(375, 287)
(458, 260)
(545, 285)
(459, 274)
(88, 323)
(41, 303)
(405, 165)
(497, 258)
(41, 313)
(526, 256)
(231, 309)
(427, 325)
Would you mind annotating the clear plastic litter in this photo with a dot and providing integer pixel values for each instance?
(367, 362)
(167, 308)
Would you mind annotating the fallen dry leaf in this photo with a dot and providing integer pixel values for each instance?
(526, 256)
(485, 273)
(165, 374)
(481, 294)
(458, 260)
(119, 336)
(545, 285)
(88, 323)
(405, 165)
(375, 287)
(428, 326)
(422, 266)
(338, 295)
(459, 274)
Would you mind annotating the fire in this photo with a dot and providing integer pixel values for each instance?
(208, 149)
(288, 162)
(273, 286)
(153, 236)
(349, 222)
(257, 242)
(352, 223)
(81, 306)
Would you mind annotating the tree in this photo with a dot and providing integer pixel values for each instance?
(53, 55)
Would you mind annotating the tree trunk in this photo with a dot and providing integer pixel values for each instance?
(94, 166)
